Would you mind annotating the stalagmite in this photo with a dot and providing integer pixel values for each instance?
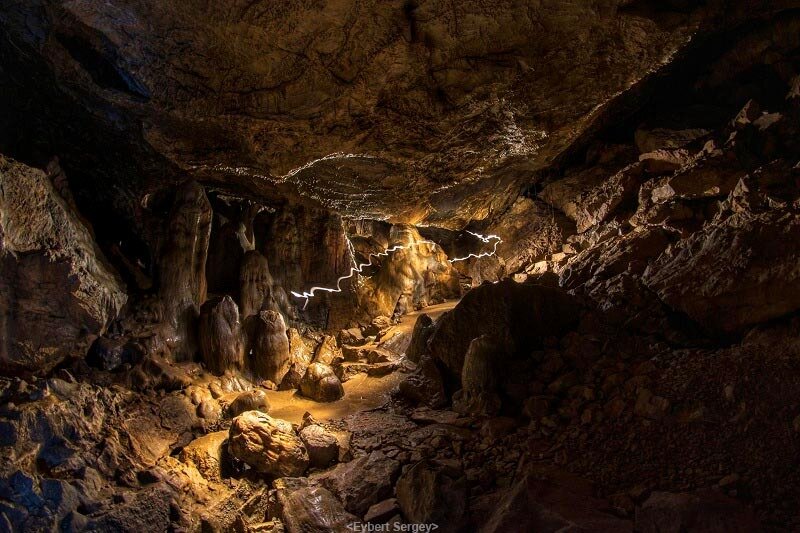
(221, 341)
(182, 279)
(269, 349)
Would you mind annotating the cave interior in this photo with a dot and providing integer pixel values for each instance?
(363, 265)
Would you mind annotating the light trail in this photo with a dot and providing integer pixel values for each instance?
(357, 269)
(485, 238)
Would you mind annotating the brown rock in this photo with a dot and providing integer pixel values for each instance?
(254, 400)
(428, 494)
(703, 511)
(221, 342)
(56, 289)
(269, 347)
(664, 161)
(424, 386)
(323, 447)
(734, 273)
(525, 312)
(362, 482)
(267, 444)
(381, 512)
(182, 277)
(423, 328)
(321, 384)
(479, 378)
(305, 509)
(207, 454)
(328, 351)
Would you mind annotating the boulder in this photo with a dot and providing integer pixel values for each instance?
(269, 347)
(328, 351)
(362, 482)
(321, 384)
(221, 342)
(291, 380)
(703, 511)
(352, 336)
(479, 378)
(253, 400)
(57, 291)
(526, 313)
(207, 454)
(430, 494)
(267, 444)
(323, 447)
(423, 328)
(424, 386)
(382, 512)
(734, 273)
(310, 509)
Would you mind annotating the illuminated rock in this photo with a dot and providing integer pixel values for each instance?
(182, 279)
(269, 357)
(221, 340)
(267, 444)
(321, 384)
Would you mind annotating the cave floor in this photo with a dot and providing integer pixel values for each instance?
(362, 392)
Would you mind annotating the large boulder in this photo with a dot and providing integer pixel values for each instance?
(267, 444)
(362, 482)
(322, 446)
(321, 384)
(424, 385)
(479, 378)
(309, 509)
(57, 291)
(252, 400)
(734, 273)
(526, 313)
(221, 342)
(430, 494)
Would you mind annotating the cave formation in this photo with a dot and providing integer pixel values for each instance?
(400, 266)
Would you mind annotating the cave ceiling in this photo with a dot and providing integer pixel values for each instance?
(432, 112)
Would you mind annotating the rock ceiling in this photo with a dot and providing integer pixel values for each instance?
(434, 112)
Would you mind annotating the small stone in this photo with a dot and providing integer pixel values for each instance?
(382, 511)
